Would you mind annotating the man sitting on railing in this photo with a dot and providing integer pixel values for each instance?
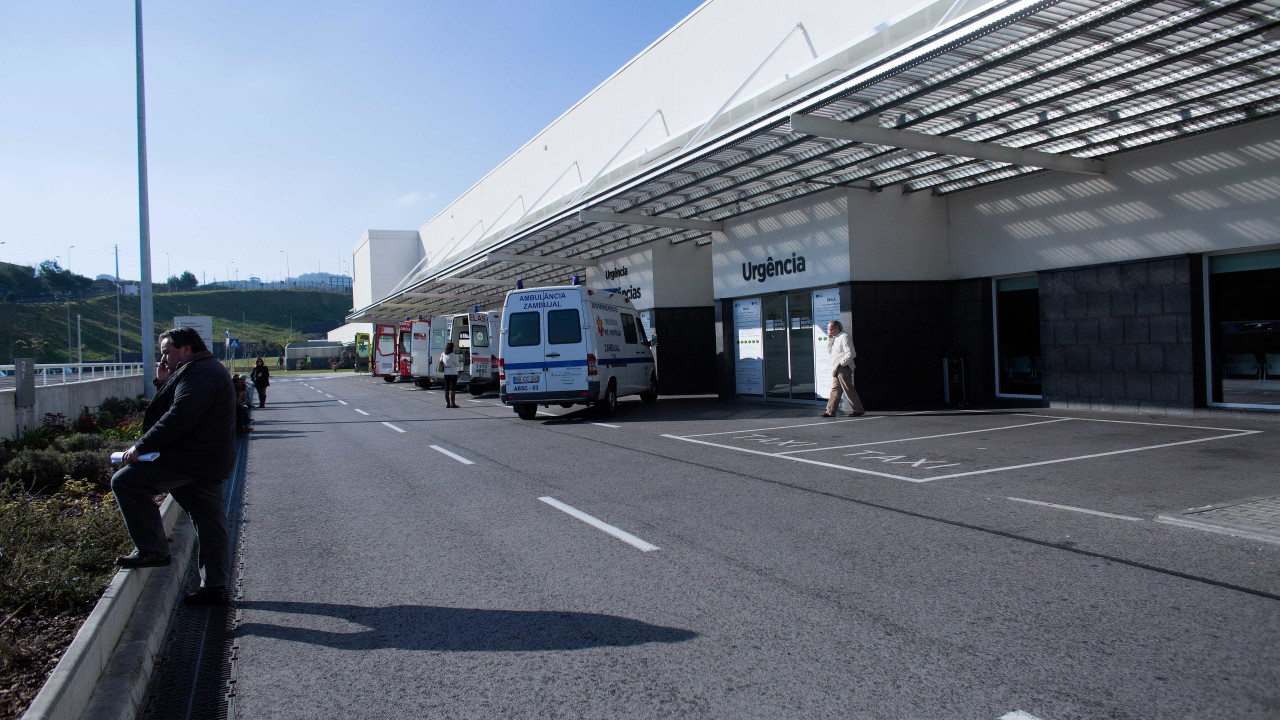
(191, 424)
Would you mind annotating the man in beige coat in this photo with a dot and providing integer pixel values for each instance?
(842, 354)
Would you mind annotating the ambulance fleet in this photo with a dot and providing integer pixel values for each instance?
(564, 345)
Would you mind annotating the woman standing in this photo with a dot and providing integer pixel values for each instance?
(261, 378)
(449, 363)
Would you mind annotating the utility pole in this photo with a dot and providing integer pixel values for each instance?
(79, 342)
(144, 221)
(119, 343)
(67, 300)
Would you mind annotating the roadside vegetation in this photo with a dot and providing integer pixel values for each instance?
(60, 532)
(46, 329)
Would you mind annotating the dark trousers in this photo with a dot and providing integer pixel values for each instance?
(134, 487)
(262, 395)
(842, 384)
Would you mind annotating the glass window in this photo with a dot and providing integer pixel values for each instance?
(386, 345)
(405, 338)
(563, 327)
(524, 329)
(629, 329)
(439, 337)
(1244, 328)
(1018, 336)
(480, 335)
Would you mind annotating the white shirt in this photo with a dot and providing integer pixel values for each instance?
(450, 363)
(841, 350)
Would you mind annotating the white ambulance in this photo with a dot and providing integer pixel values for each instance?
(483, 328)
(571, 345)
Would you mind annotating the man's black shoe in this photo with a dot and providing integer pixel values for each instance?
(139, 559)
(207, 596)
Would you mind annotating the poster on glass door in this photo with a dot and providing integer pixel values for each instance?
(748, 347)
(826, 307)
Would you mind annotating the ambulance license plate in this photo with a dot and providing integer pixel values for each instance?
(524, 379)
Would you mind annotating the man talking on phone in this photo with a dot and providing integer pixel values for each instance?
(191, 424)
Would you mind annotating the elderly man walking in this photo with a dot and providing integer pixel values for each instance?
(191, 423)
(842, 354)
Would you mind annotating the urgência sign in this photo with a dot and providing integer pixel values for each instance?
(772, 268)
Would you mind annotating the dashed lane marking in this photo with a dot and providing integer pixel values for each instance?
(327, 395)
(455, 456)
(342, 402)
(1018, 715)
(599, 524)
(604, 424)
(1075, 509)
(393, 427)
(361, 411)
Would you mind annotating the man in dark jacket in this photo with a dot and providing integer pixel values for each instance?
(191, 423)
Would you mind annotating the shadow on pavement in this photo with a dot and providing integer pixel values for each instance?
(444, 629)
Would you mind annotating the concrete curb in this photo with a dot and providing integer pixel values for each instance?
(69, 689)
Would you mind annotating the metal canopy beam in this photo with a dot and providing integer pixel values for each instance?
(449, 296)
(474, 281)
(540, 259)
(649, 220)
(876, 135)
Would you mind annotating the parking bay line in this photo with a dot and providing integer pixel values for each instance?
(1076, 509)
(599, 524)
(393, 427)
(789, 427)
(455, 456)
(926, 437)
(798, 459)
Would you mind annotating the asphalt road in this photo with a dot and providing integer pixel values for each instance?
(404, 560)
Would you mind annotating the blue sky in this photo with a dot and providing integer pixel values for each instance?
(278, 125)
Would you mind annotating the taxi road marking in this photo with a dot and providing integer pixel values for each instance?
(599, 524)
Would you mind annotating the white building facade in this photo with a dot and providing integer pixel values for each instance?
(1068, 203)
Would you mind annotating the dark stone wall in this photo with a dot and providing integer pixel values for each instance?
(1120, 334)
(902, 331)
(685, 350)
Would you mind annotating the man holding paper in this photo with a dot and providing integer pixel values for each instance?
(191, 424)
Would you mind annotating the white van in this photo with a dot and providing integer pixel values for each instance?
(571, 345)
(444, 329)
(484, 328)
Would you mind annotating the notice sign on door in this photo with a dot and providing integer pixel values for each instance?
(748, 347)
(826, 307)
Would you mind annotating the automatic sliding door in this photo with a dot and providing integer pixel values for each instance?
(800, 322)
(777, 361)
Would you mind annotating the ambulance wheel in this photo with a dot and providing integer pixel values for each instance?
(609, 404)
(389, 378)
(422, 382)
(651, 395)
(526, 412)
(475, 389)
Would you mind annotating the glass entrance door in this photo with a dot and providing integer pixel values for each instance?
(788, 346)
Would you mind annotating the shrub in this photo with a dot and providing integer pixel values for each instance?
(85, 422)
(81, 441)
(56, 423)
(56, 552)
(39, 471)
(114, 411)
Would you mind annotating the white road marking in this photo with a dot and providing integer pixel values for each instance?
(361, 411)
(1094, 455)
(327, 395)
(797, 459)
(926, 437)
(342, 402)
(599, 524)
(548, 414)
(1135, 422)
(1018, 715)
(788, 427)
(604, 425)
(475, 401)
(455, 456)
(393, 427)
(1076, 509)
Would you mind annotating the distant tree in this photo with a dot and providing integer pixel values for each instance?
(60, 281)
(188, 281)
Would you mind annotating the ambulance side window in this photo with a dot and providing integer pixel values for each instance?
(563, 327)
(480, 336)
(644, 339)
(524, 330)
(629, 329)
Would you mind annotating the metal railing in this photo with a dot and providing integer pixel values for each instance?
(64, 373)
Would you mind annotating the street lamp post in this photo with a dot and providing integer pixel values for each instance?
(69, 257)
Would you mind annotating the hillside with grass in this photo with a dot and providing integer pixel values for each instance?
(259, 317)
